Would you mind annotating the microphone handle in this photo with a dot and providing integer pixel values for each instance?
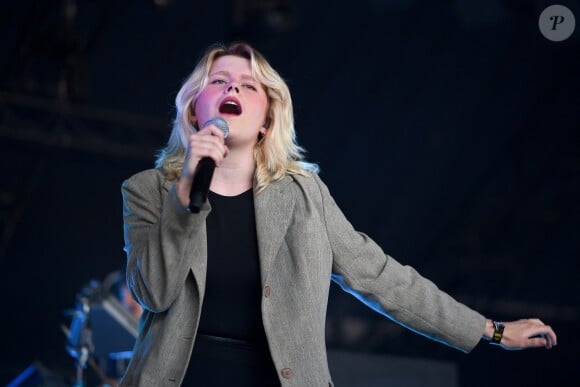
(201, 181)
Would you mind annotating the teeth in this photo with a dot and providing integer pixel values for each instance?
(230, 107)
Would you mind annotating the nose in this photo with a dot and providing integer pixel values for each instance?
(232, 87)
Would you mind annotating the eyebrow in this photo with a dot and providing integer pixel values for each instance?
(227, 73)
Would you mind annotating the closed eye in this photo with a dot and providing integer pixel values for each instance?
(251, 87)
(218, 82)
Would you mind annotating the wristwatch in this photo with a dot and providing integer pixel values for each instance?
(497, 332)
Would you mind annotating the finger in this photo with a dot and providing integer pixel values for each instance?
(209, 140)
(203, 131)
(224, 155)
(547, 333)
(216, 131)
(536, 330)
(208, 149)
(537, 342)
(207, 130)
(548, 343)
(212, 130)
(216, 151)
(551, 335)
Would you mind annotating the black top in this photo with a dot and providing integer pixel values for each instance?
(232, 303)
(231, 346)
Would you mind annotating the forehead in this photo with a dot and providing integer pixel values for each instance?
(231, 64)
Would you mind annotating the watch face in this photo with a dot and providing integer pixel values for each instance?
(498, 332)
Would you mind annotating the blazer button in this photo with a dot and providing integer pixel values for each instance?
(287, 373)
(266, 291)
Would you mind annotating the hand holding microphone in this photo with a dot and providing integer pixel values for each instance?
(205, 149)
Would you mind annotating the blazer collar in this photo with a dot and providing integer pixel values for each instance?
(167, 183)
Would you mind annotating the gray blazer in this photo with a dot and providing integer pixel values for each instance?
(303, 240)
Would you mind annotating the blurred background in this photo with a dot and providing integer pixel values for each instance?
(448, 131)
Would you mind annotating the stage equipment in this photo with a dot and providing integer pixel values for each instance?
(102, 330)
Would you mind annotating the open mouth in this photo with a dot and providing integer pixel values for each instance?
(230, 106)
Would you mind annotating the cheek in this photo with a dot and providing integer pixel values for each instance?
(202, 103)
(260, 105)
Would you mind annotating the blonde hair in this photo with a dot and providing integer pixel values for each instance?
(276, 154)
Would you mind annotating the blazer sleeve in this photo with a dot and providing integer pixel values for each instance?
(158, 234)
(361, 268)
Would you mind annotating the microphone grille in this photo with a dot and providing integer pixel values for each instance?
(220, 123)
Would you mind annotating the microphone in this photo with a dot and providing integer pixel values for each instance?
(204, 171)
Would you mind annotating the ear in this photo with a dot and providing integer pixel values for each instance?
(261, 134)
(192, 116)
(193, 121)
(267, 123)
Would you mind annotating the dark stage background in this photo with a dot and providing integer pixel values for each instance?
(448, 131)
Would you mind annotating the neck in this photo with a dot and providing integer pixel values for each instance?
(235, 175)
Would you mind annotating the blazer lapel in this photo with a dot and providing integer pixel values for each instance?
(273, 208)
(199, 267)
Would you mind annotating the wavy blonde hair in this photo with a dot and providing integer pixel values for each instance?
(276, 154)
